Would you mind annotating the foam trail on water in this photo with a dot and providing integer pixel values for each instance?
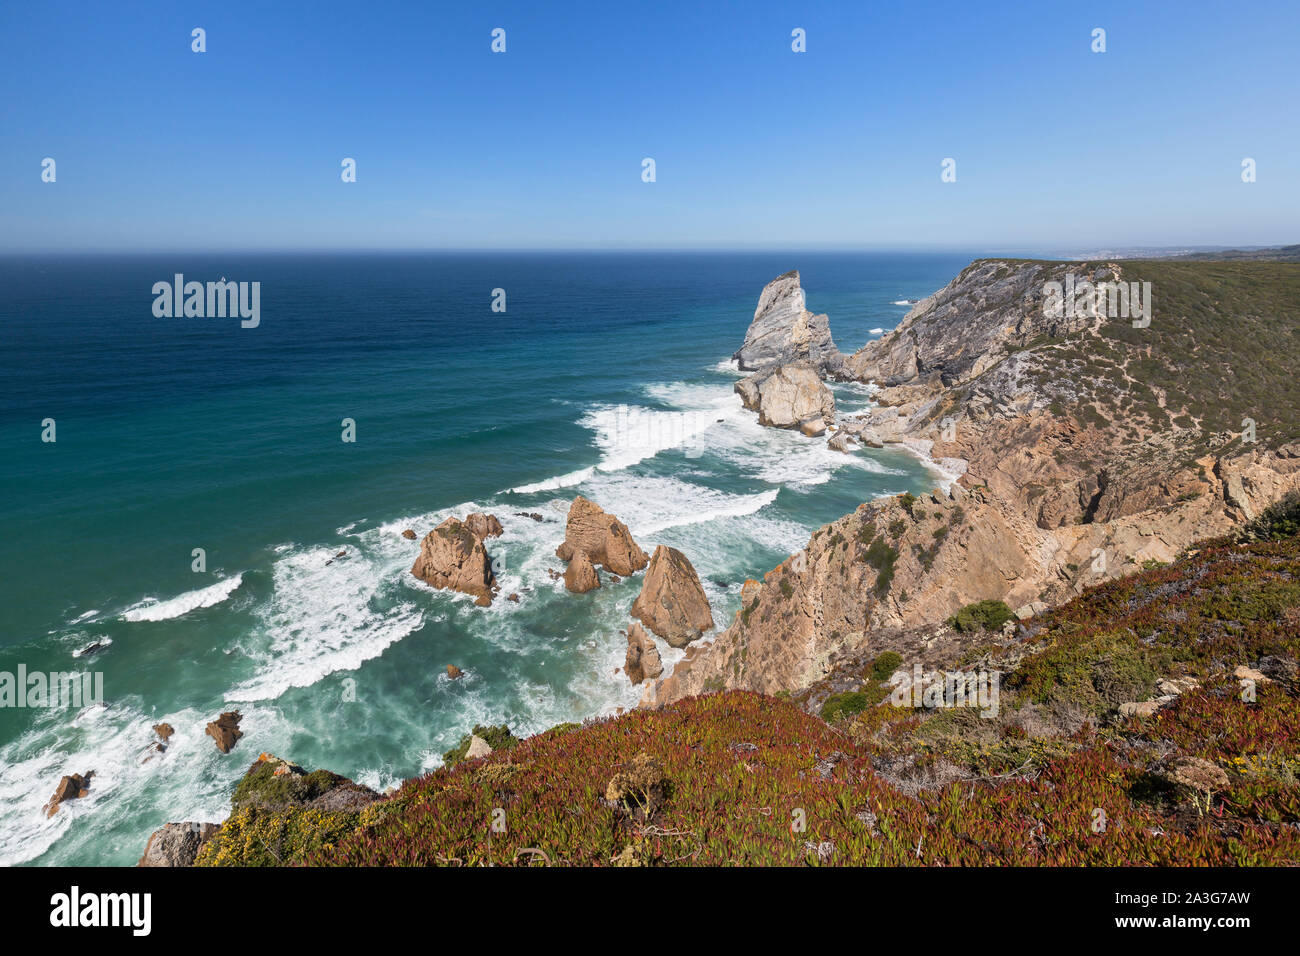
(151, 609)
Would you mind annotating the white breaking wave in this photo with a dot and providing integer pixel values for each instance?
(151, 609)
(322, 619)
(551, 484)
(877, 331)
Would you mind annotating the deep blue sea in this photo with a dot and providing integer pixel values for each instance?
(607, 375)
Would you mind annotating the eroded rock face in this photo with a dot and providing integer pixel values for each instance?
(483, 526)
(225, 730)
(984, 380)
(672, 601)
(603, 537)
(452, 557)
(783, 331)
(643, 661)
(789, 396)
(177, 844)
(580, 577)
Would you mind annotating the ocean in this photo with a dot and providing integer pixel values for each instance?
(607, 375)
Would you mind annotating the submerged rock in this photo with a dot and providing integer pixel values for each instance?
(672, 601)
(453, 558)
(783, 331)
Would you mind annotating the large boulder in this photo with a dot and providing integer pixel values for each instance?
(580, 577)
(484, 526)
(225, 730)
(783, 331)
(176, 844)
(672, 601)
(452, 557)
(789, 396)
(643, 661)
(605, 539)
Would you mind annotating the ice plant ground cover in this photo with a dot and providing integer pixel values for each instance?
(1060, 778)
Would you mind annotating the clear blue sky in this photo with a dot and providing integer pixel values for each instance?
(1056, 147)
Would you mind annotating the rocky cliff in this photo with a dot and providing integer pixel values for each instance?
(1089, 445)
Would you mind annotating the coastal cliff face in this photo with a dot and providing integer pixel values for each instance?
(1087, 447)
(784, 331)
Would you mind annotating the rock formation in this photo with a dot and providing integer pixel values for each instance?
(452, 557)
(454, 672)
(1079, 456)
(789, 396)
(643, 661)
(606, 540)
(672, 601)
(783, 331)
(177, 844)
(225, 730)
(580, 577)
(70, 787)
(483, 526)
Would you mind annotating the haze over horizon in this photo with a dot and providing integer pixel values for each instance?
(1057, 148)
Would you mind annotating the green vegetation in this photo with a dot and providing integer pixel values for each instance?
(1279, 520)
(986, 615)
(498, 738)
(885, 664)
(715, 780)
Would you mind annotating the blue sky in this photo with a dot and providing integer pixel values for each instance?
(1057, 147)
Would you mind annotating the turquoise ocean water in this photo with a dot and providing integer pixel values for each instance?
(607, 375)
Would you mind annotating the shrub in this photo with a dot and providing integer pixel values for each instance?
(988, 615)
(885, 664)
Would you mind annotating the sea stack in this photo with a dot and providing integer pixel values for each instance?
(784, 331)
(452, 556)
(672, 601)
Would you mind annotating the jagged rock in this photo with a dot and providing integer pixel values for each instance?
(672, 601)
(841, 441)
(784, 331)
(643, 661)
(225, 730)
(478, 747)
(70, 787)
(580, 577)
(408, 534)
(484, 526)
(513, 597)
(1249, 673)
(454, 672)
(452, 557)
(164, 731)
(177, 844)
(788, 396)
(606, 540)
(529, 514)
